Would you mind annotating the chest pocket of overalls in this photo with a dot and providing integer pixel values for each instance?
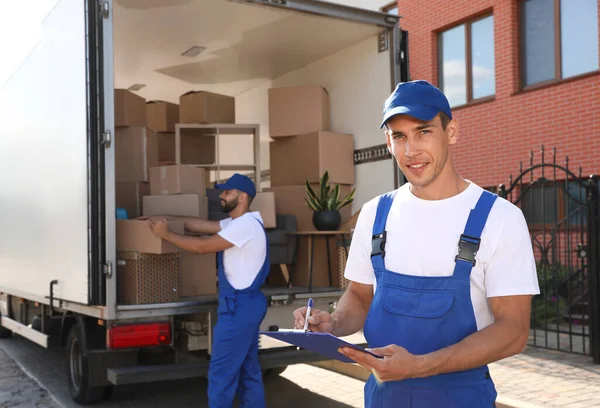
(418, 303)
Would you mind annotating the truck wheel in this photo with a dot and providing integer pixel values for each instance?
(78, 369)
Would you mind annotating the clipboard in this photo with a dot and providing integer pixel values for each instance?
(321, 343)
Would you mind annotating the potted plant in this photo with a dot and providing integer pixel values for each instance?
(326, 204)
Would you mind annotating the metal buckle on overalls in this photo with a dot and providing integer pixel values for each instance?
(467, 248)
(378, 244)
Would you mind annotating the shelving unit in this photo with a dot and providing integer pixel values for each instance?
(225, 129)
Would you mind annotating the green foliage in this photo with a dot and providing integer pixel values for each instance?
(327, 198)
(550, 306)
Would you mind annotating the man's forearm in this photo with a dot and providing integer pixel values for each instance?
(350, 314)
(497, 341)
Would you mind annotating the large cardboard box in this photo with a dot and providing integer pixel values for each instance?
(130, 109)
(298, 110)
(196, 147)
(162, 116)
(129, 196)
(306, 157)
(264, 203)
(206, 107)
(136, 150)
(177, 179)
(291, 200)
(197, 274)
(136, 236)
(183, 205)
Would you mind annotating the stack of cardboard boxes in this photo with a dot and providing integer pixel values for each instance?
(304, 147)
(148, 182)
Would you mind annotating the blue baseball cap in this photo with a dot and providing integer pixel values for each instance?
(418, 99)
(239, 182)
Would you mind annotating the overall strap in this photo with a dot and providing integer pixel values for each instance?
(379, 233)
(469, 242)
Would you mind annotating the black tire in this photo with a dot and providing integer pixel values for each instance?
(274, 371)
(78, 370)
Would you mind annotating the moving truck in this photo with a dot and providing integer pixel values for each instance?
(58, 250)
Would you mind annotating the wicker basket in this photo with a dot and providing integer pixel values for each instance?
(342, 259)
(147, 278)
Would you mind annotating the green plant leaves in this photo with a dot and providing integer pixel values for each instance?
(327, 199)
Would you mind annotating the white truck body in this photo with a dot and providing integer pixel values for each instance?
(57, 210)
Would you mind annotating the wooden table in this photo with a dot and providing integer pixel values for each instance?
(312, 235)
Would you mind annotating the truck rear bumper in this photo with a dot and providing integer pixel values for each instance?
(269, 358)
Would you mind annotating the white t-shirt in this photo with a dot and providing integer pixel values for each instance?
(422, 240)
(243, 261)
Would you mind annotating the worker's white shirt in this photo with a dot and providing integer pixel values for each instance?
(243, 261)
(422, 240)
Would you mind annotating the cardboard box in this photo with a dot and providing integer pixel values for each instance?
(265, 204)
(162, 116)
(183, 205)
(136, 150)
(147, 278)
(206, 107)
(298, 110)
(177, 179)
(197, 274)
(130, 109)
(136, 236)
(306, 157)
(290, 200)
(129, 196)
(196, 147)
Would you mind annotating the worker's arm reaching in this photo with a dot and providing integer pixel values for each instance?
(192, 224)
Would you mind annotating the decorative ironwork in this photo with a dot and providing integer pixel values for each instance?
(372, 154)
(561, 209)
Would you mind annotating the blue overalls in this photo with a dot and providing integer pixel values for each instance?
(234, 364)
(424, 314)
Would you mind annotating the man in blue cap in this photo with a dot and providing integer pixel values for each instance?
(442, 271)
(243, 265)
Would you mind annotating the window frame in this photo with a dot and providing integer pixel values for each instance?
(468, 59)
(557, 51)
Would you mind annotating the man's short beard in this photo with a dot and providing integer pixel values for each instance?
(229, 207)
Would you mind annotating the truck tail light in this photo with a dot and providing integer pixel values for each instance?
(138, 335)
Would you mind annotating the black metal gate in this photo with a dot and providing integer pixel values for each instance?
(561, 209)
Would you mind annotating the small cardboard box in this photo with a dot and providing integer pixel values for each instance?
(136, 236)
(136, 150)
(197, 274)
(177, 179)
(162, 116)
(291, 200)
(183, 205)
(130, 109)
(206, 107)
(306, 157)
(298, 110)
(264, 203)
(129, 196)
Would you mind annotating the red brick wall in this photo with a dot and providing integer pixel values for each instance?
(496, 135)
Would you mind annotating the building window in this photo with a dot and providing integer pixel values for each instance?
(391, 8)
(466, 61)
(553, 203)
(559, 39)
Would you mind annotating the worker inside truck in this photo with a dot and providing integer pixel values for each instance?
(442, 271)
(241, 245)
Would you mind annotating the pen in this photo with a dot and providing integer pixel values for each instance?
(308, 309)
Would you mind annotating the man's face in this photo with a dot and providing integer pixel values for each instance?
(421, 149)
(229, 200)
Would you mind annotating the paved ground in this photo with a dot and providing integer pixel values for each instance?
(17, 389)
(549, 379)
(298, 386)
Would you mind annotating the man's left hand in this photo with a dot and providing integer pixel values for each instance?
(397, 363)
(159, 227)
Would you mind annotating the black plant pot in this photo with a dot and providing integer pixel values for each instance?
(327, 220)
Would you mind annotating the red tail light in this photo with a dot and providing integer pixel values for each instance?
(139, 335)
